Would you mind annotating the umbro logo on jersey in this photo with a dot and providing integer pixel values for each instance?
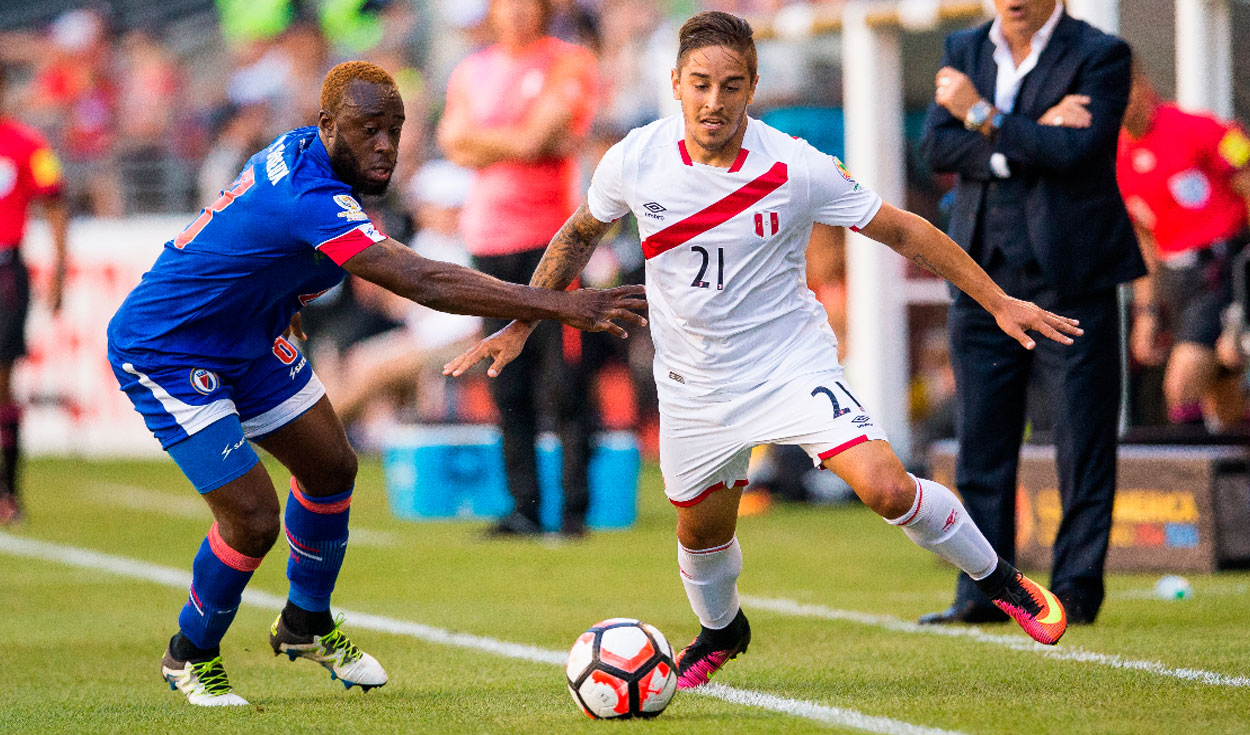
(654, 209)
(767, 224)
(674, 376)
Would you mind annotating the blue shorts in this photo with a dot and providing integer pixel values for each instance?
(179, 401)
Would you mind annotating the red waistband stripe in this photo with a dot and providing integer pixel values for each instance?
(842, 447)
(698, 498)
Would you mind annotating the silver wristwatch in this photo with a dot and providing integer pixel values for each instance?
(977, 115)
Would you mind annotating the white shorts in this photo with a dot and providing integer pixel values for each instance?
(706, 443)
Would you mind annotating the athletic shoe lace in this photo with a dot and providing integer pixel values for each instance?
(335, 641)
(212, 676)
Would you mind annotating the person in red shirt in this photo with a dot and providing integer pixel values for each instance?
(1185, 179)
(28, 171)
(517, 114)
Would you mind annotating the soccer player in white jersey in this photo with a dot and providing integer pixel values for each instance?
(744, 355)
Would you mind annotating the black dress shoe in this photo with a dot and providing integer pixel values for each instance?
(964, 612)
(514, 525)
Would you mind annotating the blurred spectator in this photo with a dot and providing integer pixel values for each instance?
(404, 365)
(518, 113)
(574, 21)
(243, 131)
(1186, 182)
(153, 178)
(74, 98)
(632, 77)
(150, 82)
(286, 75)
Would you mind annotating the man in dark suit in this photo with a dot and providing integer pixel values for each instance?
(1027, 112)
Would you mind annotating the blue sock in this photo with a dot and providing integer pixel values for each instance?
(218, 576)
(316, 529)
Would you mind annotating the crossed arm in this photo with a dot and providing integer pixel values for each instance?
(1060, 141)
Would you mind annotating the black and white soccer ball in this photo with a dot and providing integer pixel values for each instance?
(621, 668)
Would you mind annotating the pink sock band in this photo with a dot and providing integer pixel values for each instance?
(229, 556)
(313, 506)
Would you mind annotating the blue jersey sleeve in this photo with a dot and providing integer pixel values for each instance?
(333, 222)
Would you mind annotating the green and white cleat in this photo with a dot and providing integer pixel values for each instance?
(334, 651)
(204, 682)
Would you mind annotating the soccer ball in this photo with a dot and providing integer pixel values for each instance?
(621, 668)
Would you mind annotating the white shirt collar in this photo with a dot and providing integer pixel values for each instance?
(1010, 76)
(1040, 39)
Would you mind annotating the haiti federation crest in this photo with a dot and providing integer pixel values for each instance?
(204, 381)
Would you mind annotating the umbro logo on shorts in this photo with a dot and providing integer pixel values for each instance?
(654, 209)
(674, 376)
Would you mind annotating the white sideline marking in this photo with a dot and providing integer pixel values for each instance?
(141, 570)
(1014, 642)
(133, 497)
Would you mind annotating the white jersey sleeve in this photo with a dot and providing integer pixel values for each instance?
(836, 197)
(606, 196)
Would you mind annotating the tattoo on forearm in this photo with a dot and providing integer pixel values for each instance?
(569, 251)
(923, 262)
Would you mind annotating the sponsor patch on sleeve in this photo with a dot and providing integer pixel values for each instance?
(352, 211)
(846, 173)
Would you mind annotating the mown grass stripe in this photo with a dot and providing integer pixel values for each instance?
(135, 569)
(1015, 642)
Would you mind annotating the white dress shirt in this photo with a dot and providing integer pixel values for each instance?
(1010, 76)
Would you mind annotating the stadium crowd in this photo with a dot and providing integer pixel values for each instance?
(156, 117)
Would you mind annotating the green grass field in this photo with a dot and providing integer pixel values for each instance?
(830, 591)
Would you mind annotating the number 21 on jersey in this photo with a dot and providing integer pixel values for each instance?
(236, 190)
(698, 281)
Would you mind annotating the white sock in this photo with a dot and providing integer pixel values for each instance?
(711, 580)
(937, 521)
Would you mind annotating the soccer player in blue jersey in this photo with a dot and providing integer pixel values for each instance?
(199, 348)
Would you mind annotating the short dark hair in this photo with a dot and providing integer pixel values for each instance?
(714, 28)
(334, 88)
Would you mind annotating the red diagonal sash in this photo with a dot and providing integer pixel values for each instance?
(717, 213)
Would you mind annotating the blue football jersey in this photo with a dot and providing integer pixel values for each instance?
(228, 285)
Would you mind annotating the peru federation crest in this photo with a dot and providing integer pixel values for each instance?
(766, 224)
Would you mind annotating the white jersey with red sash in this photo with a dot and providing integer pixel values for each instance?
(725, 250)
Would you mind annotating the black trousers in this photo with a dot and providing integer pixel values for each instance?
(541, 380)
(1081, 383)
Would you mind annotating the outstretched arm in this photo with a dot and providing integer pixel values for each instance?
(566, 256)
(459, 290)
(570, 250)
(914, 238)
